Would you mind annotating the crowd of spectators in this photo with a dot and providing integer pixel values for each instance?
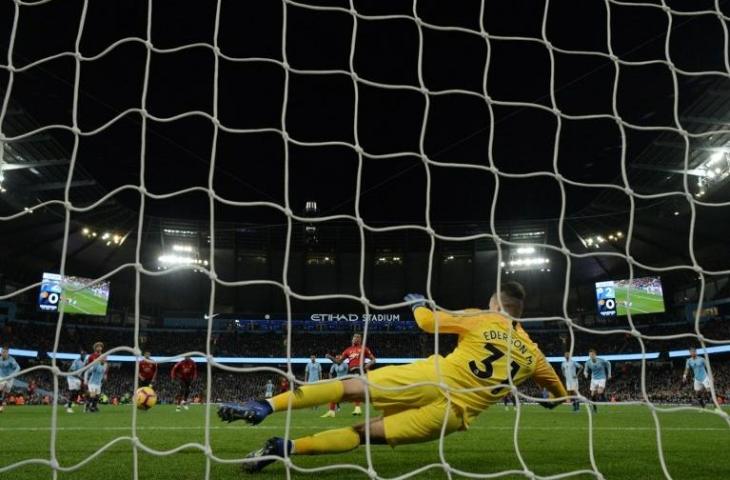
(664, 382)
(663, 378)
(233, 342)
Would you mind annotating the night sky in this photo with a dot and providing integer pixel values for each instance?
(459, 128)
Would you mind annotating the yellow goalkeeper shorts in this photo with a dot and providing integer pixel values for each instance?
(417, 413)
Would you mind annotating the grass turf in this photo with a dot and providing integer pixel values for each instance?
(551, 442)
(641, 302)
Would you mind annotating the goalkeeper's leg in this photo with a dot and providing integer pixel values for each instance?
(390, 390)
(307, 396)
(416, 425)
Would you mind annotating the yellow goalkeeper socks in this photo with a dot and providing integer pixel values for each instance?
(330, 441)
(309, 396)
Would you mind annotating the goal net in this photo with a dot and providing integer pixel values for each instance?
(543, 103)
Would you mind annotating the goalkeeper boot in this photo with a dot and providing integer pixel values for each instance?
(273, 446)
(252, 412)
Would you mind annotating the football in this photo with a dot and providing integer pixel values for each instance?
(145, 398)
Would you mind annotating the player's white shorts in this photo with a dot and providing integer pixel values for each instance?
(74, 383)
(571, 385)
(598, 384)
(268, 395)
(95, 388)
(7, 385)
(702, 385)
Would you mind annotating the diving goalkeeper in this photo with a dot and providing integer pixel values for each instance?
(417, 414)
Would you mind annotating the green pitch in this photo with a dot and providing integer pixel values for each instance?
(86, 303)
(641, 302)
(551, 442)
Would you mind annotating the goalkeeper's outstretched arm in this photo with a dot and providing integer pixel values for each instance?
(430, 321)
(546, 377)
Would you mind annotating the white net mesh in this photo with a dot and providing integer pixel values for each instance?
(358, 81)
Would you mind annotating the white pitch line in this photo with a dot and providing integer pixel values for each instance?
(309, 427)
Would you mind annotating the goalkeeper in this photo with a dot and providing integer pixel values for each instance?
(476, 374)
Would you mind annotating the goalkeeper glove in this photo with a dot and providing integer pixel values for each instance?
(416, 300)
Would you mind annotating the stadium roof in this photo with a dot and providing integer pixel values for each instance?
(321, 108)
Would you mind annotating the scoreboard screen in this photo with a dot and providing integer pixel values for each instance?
(73, 295)
(638, 296)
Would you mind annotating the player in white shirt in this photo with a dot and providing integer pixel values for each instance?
(8, 366)
(74, 381)
(571, 370)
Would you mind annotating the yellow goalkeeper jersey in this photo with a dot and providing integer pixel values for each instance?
(480, 359)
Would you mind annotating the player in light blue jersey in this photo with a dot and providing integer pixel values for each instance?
(313, 371)
(571, 370)
(269, 389)
(338, 369)
(600, 371)
(74, 381)
(8, 366)
(699, 372)
(93, 378)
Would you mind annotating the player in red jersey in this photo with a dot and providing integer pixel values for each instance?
(354, 355)
(147, 371)
(184, 371)
(283, 385)
(98, 348)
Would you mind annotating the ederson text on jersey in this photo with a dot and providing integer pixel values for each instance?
(487, 342)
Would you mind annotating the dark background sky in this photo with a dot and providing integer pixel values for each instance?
(250, 166)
